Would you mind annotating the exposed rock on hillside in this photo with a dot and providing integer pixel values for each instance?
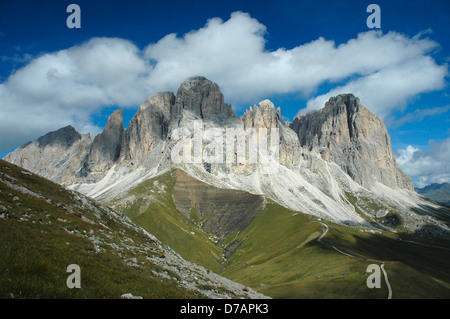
(105, 148)
(211, 207)
(201, 96)
(347, 133)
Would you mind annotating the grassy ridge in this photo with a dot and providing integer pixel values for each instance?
(297, 265)
(34, 266)
(417, 268)
(40, 236)
(281, 257)
(156, 212)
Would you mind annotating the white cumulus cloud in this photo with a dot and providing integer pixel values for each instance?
(426, 167)
(390, 87)
(68, 86)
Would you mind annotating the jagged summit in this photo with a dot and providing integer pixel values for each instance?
(105, 148)
(65, 136)
(201, 96)
(262, 115)
(343, 131)
(347, 133)
(163, 100)
(194, 81)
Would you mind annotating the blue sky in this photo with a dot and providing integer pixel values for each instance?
(296, 53)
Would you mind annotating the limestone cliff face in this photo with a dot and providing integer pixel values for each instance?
(201, 96)
(267, 117)
(148, 128)
(105, 148)
(58, 155)
(347, 133)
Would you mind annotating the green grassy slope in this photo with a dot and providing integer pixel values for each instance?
(151, 206)
(44, 228)
(279, 255)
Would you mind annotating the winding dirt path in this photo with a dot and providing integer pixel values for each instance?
(386, 279)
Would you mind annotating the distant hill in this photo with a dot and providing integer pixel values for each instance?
(436, 192)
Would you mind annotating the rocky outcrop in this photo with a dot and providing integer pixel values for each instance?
(147, 128)
(265, 116)
(262, 116)
(201, 96)
(64, 137)
(347, 133)
(57, 155)
(105, 148)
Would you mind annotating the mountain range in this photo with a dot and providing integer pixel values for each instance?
(437, 192)
(322, 156)
(248, 197)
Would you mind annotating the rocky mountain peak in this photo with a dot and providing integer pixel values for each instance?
(115, 121)
(64, 137)
(266, 104)
(57, 155)
(344, 102)
(105, 148)
(148, 127)
(347, 133)
(263, 115)
(193, 82)
(164, 101)
(201, 96)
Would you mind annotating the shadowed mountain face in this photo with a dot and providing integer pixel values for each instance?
(147, 129)
(217, 211)
(105, 148)
(65, 136)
